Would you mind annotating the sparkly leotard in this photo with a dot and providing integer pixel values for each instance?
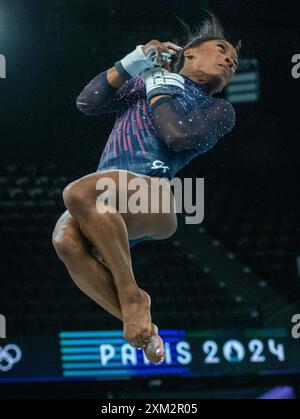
(158, 139)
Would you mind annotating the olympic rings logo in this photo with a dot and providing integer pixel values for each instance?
(9, 356)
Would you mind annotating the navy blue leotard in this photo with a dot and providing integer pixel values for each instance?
(158, 139)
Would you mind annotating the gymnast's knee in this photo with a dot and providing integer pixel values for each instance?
(66, 243)
(169, 233)
(77, 199)
(169, 229)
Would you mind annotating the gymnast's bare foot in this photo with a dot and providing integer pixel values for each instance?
(155, 344)
(136, 315)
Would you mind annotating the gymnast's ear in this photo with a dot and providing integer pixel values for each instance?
(188, 53)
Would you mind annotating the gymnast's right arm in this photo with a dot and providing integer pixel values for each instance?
(100, 95)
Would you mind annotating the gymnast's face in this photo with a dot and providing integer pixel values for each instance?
(212, 63)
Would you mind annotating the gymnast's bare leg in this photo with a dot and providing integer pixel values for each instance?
(92, 276)
(117, 290)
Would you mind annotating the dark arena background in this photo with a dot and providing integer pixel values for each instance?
(225, 293)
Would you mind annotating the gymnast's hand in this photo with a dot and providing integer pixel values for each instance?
(164, 52)
(153, 54)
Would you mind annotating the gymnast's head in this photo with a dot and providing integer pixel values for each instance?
(208, 58)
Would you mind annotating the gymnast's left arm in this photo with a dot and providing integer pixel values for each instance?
(199, 129)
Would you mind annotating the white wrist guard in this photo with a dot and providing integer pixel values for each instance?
(136, 62)
(159, 81)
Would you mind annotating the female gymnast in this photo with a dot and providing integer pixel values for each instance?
(164, 119)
